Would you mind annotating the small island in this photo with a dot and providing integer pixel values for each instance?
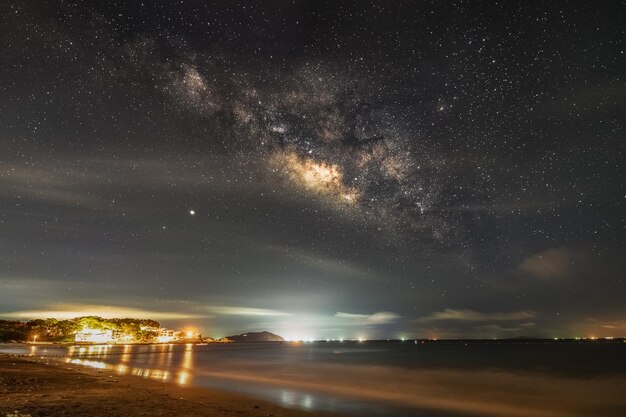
(256, 337)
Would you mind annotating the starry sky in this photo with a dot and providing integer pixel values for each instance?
(319, 169)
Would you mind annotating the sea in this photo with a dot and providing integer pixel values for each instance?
(409, 378)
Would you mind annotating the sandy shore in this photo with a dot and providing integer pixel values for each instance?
(39, 387)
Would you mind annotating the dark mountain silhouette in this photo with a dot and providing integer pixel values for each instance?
(256, 337)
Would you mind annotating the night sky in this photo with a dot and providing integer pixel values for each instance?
(319, 169)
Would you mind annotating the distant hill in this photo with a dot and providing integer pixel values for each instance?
(256, 337)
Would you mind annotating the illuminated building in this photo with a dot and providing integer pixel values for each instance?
(87, 335)
(168, 335)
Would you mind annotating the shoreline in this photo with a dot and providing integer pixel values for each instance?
(34, 386)
(485, 390)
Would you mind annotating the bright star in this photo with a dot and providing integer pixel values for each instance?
(192, 212)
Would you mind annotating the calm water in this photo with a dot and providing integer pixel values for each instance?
(369, 378)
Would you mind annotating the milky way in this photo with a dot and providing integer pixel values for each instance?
(322, 131)
(454, 167)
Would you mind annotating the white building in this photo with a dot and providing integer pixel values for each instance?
(168, 335)
(87, 335)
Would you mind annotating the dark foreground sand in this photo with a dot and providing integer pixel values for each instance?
(36, 387)
(44, 387)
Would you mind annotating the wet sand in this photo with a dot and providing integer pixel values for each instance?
(41, 387)
(452, 392)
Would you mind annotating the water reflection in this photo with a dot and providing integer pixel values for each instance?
(169, 356)
(295, 399)
(88, 363)
(126, 353)
(183, 378)
(307, 401)
(93, 350)
(187, 357)
(162, 355)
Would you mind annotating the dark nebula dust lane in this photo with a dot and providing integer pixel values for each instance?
(322, 170)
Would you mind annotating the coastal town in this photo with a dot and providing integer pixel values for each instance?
(91, 329)
(156, 335)
(98, 330)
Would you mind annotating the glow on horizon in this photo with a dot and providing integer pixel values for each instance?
(309, 327)
(299, 337)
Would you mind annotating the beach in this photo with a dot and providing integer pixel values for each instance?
(443, 379)
(41, 387)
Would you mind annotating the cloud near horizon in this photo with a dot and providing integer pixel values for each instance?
(471, 315)
(245, 311)
(554, 263)
(69, 311)
(381, 317)
(602, 328)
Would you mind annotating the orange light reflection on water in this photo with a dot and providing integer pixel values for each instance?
(126, 353)
(164, 353)
(188, 357)
(183, 378)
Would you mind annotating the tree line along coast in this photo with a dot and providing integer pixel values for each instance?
(93, 329)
